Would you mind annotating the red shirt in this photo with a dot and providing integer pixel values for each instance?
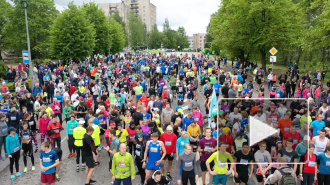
(72, 89)
(144, 100)
(165, 95)
(310, 164)
(107, 103)
(53, 128)
(275, 117)
(296, 138)
(169, 141)
(229, 140)
(89, 103)
(131, 134)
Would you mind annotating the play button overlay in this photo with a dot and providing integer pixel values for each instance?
(259, 131)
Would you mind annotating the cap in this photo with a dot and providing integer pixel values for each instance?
(139, 135)
(55, 99)
(12, 129)
(81, 98)
(306, 138)
(278, 141)
(180, 111)
(298, 116)
(113, 124)
(81, 122)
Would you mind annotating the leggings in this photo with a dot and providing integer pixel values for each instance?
(3, 143)
(141, 170)
(57, 141)
(188, 175)
(43, 136)
(59, 115)
(78, 149)
(14, 159)
(72, 148)
(27, 152)
(131, 146)
(323, 179)
(34, 139)
(308, 179)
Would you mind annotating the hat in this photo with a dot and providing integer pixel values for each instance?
(12, 129)
(298, 116)
(81, 98)
(81, 122)
(180, 111)
(226, 130)
(113, 124)
(306, 138)
(55, 99)
(139, 135)
(279, 141)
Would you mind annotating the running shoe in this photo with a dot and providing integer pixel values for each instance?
(1, 159)
(137, 173)
(99, 148)
(92, 181)
(58, 177)
(13, 177)
(25, 170)
(18, 174)
(6, 155)
(70, 155)
(74, 155)
(97, 163)
(33, 168)
(77, 169)
(83, 168)
(36, 150)
(169, 176)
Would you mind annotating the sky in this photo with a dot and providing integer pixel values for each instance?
(193, 15)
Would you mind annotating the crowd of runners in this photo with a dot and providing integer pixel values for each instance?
(148, 111)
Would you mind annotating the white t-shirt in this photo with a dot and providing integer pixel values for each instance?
(233, 116)
(74, 97)
(66, 96)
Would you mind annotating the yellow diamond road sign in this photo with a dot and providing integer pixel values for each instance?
(273, 51)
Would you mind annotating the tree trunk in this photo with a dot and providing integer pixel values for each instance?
(263, 59)
(242, 57)
(298, 56)
(323, 56)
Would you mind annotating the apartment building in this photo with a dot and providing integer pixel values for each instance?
(198, 41)
(142, 8)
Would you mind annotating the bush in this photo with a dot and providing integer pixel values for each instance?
(3, 70)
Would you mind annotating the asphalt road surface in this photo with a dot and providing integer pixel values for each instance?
(68, 173)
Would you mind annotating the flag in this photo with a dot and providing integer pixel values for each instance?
(213, 107)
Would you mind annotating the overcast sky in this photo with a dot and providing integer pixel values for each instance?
(193, 15)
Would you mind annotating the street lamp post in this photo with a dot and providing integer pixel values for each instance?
(25, 5)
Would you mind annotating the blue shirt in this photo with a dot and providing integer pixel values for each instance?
(217, 87)
(12, 144)
(46, 78)
(324, 164)
(186, 123)
(317, 126)
(146, 116)
(60, 98)
(97, 122)
(180, 144)
(49, 159)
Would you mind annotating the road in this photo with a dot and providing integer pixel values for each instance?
(68, 173)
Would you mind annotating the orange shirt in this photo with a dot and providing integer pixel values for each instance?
(284, 125)
(234, 81)
(93, 72)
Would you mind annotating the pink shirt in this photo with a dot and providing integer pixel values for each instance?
(56, 108)
(131, 134)
(198, 117)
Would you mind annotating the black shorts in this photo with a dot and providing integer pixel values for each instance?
(242, 177)
(168, 156)
(89, 160)
(102, 132)
(260, 178)
(173, 88)
(203, 166)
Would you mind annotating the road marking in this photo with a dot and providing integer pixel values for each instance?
(63, 139)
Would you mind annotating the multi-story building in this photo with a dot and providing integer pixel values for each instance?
(198, 41)
(143, 8)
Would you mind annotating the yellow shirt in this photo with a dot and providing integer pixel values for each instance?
(240, 87)
(96, 135)
(220, 167)
(123, 136)
(49, 111)
(209, 70)
(78, 135)
(82, 89)
(194, 131)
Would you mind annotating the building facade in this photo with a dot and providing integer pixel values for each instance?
(143, 8)
(191, 42)
(198, 41)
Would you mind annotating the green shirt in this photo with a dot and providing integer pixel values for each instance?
(202, 77)
(123, 166)
(138, 90)
(112, 98)
(220, 167)
(213, 80)
(67, 111)
(173, 81)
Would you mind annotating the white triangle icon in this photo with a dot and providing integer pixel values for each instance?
(259, 131)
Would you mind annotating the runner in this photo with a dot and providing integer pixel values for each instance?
(71, 125)
(241, 170)
(78, 135)
(27, 148)
(123, 169)
(13, 148)
(48, 163)
(187, 167)
(264, 160)
(170, 140)
(153, 153)
(88, 149)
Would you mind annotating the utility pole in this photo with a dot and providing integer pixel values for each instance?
(25, 5)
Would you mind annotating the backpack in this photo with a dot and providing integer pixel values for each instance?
(287, 178)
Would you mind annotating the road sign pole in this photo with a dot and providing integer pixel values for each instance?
(25, 5)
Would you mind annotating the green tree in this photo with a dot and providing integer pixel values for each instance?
(155, 38)
(72, 35)
(102, 37)
(182, 38)
(119, 20)
(5, 9)
(41, 14)
(117, 35)
(137, 31)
